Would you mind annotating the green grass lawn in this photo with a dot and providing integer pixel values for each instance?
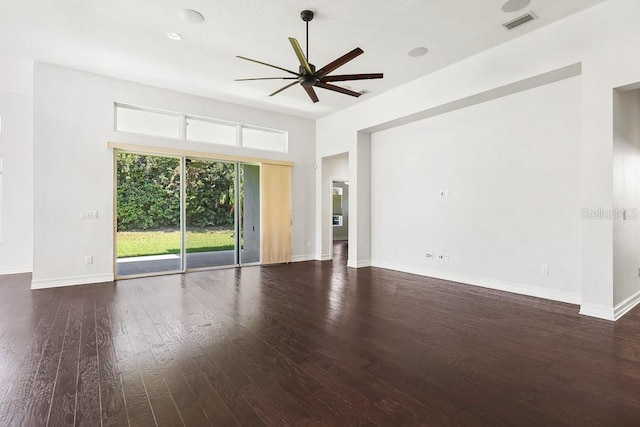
(154, 242)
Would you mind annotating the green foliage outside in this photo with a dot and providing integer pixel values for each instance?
(148, 214)
(141, 243)
(149, 193)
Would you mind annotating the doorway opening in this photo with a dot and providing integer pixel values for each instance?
(340, 219)
(177, 214)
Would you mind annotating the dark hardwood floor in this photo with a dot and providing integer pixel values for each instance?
(308, 344)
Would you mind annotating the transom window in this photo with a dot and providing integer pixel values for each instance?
(172, 125)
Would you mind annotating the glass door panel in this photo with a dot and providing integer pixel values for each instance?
(250, 215)
(210, 214)
(148, 237)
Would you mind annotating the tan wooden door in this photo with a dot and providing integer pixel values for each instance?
(275, 213)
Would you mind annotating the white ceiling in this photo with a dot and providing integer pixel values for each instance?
(127, 39)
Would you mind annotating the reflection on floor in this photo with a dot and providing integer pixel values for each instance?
(341, 251)
(163, 263)
(166, 263)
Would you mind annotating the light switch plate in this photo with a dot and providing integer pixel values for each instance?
(89, 214)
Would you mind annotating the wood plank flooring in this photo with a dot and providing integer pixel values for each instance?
(308, 344)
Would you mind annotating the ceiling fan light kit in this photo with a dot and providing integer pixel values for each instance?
(308, 76)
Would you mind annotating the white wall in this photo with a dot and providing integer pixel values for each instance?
(16, 149)
(512, 175)
(600, 40)
(73, 116)
(626, 178)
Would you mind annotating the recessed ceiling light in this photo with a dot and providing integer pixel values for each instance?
(418, 51)
(191, 16)
(515, 5)
(174, 36)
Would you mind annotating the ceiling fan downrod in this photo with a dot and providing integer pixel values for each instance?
(307, 16)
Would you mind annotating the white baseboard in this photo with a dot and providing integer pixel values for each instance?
(499, 285)
(597, 311)
(625, 306)
(324, 257)
(71, 281)
(15, 270)
(302, 258)
(359, 264)
(611, 313)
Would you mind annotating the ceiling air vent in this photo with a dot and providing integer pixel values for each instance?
(519, 21)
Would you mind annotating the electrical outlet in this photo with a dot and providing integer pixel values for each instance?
(88, 259)
(393, 251)
(440, 257)
(544, 269)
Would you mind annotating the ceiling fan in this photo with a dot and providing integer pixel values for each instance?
(308, 76)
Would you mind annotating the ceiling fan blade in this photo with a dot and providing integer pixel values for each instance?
(348, 77)
(311, 93)
(337, 89)
(268, 65)
(266, 78)
(283, 88)
(339, 62)
(300, 54)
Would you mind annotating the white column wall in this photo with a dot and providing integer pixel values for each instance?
(16, 150)
(360, 202)
(626, 214)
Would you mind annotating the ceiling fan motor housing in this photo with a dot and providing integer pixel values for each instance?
(303, 70)
(306, 79)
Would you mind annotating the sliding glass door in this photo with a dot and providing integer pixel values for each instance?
(210, 207)
(148, 237)
(249, 214)
(178, 214)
